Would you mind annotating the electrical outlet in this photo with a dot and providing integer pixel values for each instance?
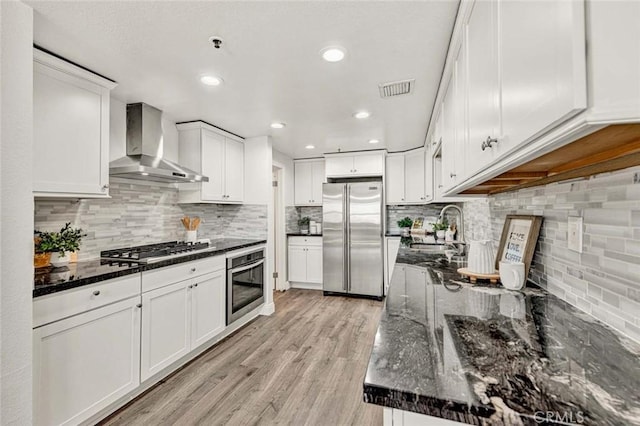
(574, 234)
(636, 177)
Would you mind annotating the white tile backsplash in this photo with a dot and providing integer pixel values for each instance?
(604, 280)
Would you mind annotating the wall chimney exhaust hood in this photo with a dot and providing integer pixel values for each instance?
(144, 150)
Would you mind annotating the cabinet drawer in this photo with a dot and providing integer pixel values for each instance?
(305, 241)
(54, 307)
(161, 277)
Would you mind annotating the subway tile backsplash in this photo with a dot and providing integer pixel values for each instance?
(145, 213)
(604, 280)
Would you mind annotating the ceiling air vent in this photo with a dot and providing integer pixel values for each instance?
(396, 88)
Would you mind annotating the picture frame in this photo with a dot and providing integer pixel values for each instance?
(518, 240)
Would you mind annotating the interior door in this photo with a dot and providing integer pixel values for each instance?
(365, 238)
(333, 237)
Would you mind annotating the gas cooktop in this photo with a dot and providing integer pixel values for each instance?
(155, 252)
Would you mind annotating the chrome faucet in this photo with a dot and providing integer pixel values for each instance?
(460, 228)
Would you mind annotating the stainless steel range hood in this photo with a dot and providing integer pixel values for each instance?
(144, 150)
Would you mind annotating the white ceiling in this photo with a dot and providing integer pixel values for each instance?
(269, 61)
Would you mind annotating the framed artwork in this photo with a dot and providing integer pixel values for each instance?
(518, 241)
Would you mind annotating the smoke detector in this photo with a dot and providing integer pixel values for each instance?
(396, 88)
(216, 41)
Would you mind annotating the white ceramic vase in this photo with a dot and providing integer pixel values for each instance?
(481, 257)
(58, 261)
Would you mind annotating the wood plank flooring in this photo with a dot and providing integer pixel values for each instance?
(304, 365)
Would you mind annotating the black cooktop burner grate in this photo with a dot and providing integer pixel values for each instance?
(139, 253)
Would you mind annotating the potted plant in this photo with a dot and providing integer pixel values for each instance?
(439, 228)
(303, 223)
(405, 225)
(61, 243)
(43, 247)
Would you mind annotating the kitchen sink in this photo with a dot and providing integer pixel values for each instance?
(429, 248)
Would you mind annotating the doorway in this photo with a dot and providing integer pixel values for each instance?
(278, 230)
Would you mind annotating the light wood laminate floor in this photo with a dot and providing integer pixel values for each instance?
(304, 365)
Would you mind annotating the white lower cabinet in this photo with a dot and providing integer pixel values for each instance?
(165, 327)
(395, 417)
(305, 262)
(84, 363)
(208, 308)
(180, 317)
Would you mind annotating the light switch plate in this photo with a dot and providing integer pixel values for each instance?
(574, 234)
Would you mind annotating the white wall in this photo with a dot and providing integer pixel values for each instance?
(257, 190)
(118, 133)
(287, 163)
(16, 212)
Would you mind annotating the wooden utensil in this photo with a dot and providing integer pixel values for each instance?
(195, 223)
(186, 222)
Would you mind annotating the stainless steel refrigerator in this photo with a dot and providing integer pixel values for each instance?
(352, 238)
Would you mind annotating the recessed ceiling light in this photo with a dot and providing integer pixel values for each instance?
(373, 141)
(277, 125)
(211, 80)
(333, 53)
(309, 146)
(144, 174)
(362, 114)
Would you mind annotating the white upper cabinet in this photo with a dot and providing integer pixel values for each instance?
(368, 163)
(394, 178)
(542, 67)
(405, 180)
(308, 180)
(70, 129)
(515, 70)
(216, 154)
(483, 93)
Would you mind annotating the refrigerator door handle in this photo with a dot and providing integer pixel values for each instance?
(347, 240)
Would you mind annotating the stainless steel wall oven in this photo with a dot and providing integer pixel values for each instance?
(245, 283)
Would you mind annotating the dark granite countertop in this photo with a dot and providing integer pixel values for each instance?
(300, 234)
(491, 356)
(52, 280)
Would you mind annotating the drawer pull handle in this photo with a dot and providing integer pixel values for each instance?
(193, 269)
(96, 293)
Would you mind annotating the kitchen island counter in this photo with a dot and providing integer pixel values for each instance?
(52, 280)
(486, 355)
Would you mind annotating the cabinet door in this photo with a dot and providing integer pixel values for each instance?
(314, 264)
(303, 184)
(369, 164)
(234, 170)
(298, 264)
(543, 71)
(414, 176)
(482, 83)
(449, 152)
(394, 178)
(213, 156)
(84, 363)
(70, 134)
(165, 327)
(317, 179)
(339, 166)
(208, 307)
(428, 173)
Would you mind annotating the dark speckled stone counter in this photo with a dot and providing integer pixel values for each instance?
(52, 280)
(300, 234)
(490, 356)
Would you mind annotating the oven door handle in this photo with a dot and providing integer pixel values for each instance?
(244, 268)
